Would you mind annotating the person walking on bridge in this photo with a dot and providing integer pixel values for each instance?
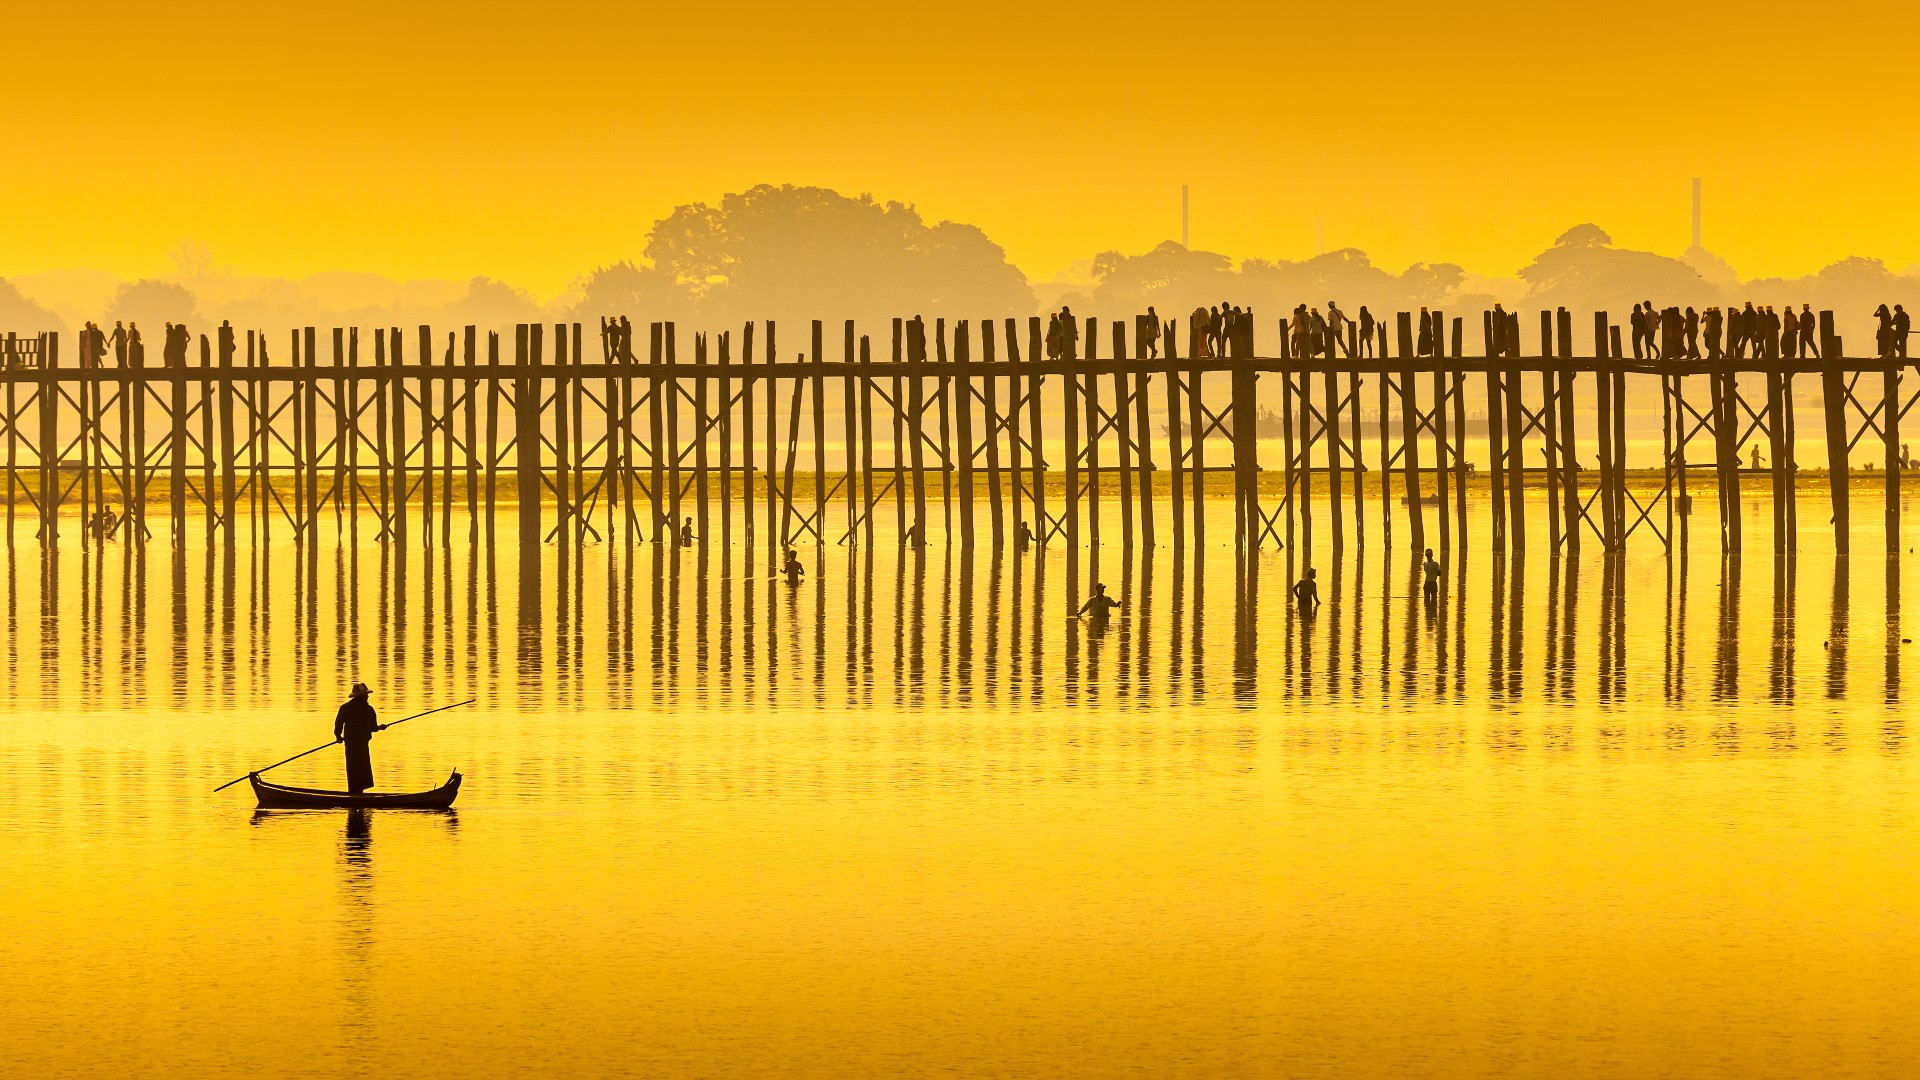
(1902, 326)
(1807, 347)
(353, 727)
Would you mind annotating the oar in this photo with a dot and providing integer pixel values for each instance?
(336, 742)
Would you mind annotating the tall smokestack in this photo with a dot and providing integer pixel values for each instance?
(1183, 216)
(1696, 212)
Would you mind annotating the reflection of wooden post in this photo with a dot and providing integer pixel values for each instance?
(1834, 402)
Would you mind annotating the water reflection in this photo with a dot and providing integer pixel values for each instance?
(903, 627)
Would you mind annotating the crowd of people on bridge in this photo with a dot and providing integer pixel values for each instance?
(125, 348)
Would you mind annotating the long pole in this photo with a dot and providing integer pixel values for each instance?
(335, 742)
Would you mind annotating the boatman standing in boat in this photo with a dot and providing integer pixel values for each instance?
(354, 726)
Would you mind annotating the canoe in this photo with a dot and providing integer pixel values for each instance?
(277, 797)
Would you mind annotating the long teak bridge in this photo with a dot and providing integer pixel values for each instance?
(1013, 438)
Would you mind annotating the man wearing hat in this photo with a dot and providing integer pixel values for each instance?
(354, 726)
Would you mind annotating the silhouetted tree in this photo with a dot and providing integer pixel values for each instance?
(815, 253)
(21, 315)
(492, 304)
(1583, 271)
(642, 293)
(152, 303)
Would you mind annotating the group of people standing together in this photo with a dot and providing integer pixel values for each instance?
(1312, 334)
(1737, 333)
(128, 349)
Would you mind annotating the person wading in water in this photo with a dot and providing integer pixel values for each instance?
(354, 726)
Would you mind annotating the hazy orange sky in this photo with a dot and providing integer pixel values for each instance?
(534, 142)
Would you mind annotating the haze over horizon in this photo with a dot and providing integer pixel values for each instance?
(400, 142)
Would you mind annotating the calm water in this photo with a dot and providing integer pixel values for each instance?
(1638, 817)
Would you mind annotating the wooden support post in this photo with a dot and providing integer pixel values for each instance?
(943, 381)
(1410, 440)
(916, 429)
(850, 436)
(1442, 446)
(746, 435)
(1330, 434)
(1603, 408)
(1142, 383)
(527, 394)
(397, 387)
(1516, 442)
(658, 506)
(310, 436)
(1305, 474)
(1016, 394)
(1619, 373)
(1176, 456)
(352, 434)
(1070, 412)
(1496, 431)
(899, 433)
(207, 496)
(1355, 458)
(1090, 386)
(960, 382)
(1403, 337)
(1834, 401)
(774, 536)
(1291, 448)
(1197, 448)
(382, 391)
(1890, 446)
(469, 347)
(1036, 353)
(177, 475)
(726, 441)
(1246, 472)
(1458, 379)
(818, 382)
(428, 419)
(670, 404)
(492, 477)
(1550, 429)
(1123, 429)
(990, 397)
(701, 422)
(866, 440)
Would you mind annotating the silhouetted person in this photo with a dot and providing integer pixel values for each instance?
(1637, 326)
(1500, 342)
(1197, 327)
(96, 345)
(1902, 326)
(1053, 336)
(1069, 334)
(1023, 537)
(119, 338)
(1306, 592)
(686, 533)
(1099, 606)
(1883, 334)
(227, 343)
(1153, 334)
(1431, 588)
(1229, 331)
(1653, 331)
(1713, 322)
(1789, 333)
(915, 535)
(793, 568)
(1337, 326)
(1317, 328)
(1366, 331)
(1807, 346)
(1753, 459)
(1424, 346)
(136, 349)
(1299, 328)
(1692, 325)
(354, 726)
(1905, 461)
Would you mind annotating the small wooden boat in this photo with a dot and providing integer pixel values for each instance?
(277, 797)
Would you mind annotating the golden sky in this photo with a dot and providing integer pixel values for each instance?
(534, 142)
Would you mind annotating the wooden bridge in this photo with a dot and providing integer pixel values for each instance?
(623, 446)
